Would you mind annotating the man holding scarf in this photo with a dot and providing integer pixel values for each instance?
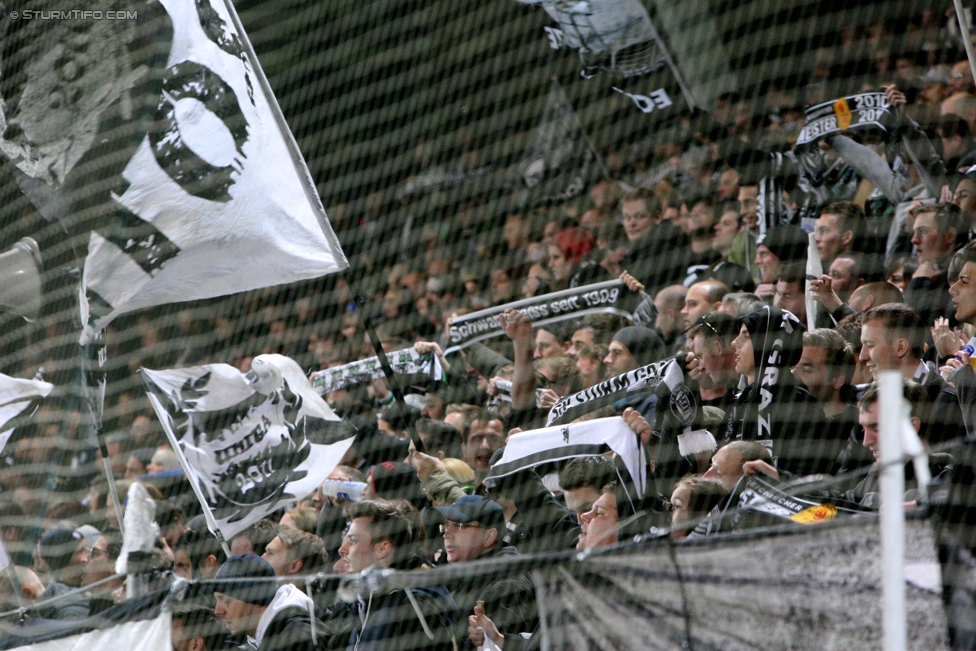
(771, 408)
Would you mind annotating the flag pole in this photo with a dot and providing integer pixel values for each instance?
(674, 68)
(387, 369)
(301, 169)
(93, 356)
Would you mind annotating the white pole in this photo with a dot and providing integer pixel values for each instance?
(892, 510)
(814, 270)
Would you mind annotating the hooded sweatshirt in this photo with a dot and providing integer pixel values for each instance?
(286, 624)
(776, 411)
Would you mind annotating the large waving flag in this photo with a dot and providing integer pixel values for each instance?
(250, 443)
(172, 161)
(219, 176)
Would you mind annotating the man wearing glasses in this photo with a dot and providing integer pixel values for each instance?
(472, 528)
(101, 565)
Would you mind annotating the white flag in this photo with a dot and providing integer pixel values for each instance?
(249, 443)
(217, 199)
(18, 398)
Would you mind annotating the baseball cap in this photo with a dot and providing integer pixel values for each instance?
(57, 546)
(474, 508)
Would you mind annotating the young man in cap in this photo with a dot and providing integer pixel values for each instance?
(781, 244)
(63, 553)
(473, 528)
(633, 347)
(251, 604)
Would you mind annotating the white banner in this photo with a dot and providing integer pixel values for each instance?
(250, 443)
(216, 199)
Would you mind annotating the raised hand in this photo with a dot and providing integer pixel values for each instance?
(631, 283)
(824, 293)
(516, 325)
(637, 423)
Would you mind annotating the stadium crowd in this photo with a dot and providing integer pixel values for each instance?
(716, 232)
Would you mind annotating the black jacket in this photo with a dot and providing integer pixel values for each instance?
(393, 625)
(291, 630)
(509, 601)
(541, 523)
(386, 620)
(930, 298)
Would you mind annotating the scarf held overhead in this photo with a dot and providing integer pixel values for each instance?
(403, 362)
(610, 297)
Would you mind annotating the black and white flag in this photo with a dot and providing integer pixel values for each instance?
(612, 35)
(170, 159)
(610, 297)
(251, 442)
(646, 378)
(589, 438)
(18, 398)
(406, 362)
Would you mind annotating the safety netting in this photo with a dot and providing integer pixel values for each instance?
(257, 258)
(815, 588)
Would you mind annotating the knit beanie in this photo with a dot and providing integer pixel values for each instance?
(643, 343)
(788, 243)
(260, 591)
